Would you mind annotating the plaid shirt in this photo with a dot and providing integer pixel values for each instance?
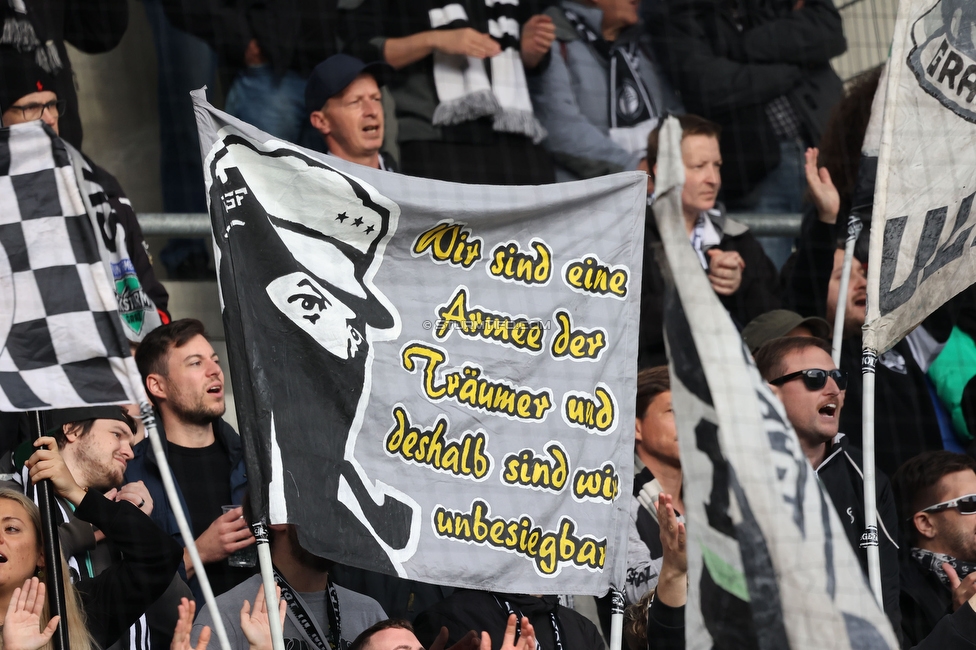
(785, 123)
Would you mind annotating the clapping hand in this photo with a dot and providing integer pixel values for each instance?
(22, 625)
(255, 623)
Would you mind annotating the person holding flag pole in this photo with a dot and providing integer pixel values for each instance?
(77, 352)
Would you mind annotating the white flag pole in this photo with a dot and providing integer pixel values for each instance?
(869, 539)
(267, 578)
(853, 230)
(616, 618)
(869, 355)
(149, 420)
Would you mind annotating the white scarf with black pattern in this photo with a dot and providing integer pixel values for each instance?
(464, 90)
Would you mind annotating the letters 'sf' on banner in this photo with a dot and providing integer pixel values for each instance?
(922, 234)
(432, 380)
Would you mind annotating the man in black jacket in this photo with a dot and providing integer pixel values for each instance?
(555, 626)
(936, 494)
(739, 271)
(184, 381)
(811, 388)
(96, 445)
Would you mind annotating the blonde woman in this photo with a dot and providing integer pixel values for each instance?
(100, 610)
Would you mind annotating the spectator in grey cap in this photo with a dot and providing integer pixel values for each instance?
(343, 100)
(782, 322)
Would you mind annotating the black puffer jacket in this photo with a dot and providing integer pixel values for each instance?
(729, 76)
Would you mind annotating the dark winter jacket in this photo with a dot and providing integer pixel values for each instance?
(115, 598)
(665, 627)
(467, 610)
(729, 76)
(957, 631)
(757, 294)
(924, 601)
(840, 473)
(144, 467)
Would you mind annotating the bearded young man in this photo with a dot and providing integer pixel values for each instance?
(96, 446)
(184, 380)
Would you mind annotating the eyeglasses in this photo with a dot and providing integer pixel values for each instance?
(966, 505)
(814, 378)
(33, 112)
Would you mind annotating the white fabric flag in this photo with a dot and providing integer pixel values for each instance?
(769, 563)
(922, 233)
(432, 379)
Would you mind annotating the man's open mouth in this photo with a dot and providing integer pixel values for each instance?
(830, 410)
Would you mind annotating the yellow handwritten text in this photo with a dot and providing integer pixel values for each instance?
(548, 550)
(467, 386)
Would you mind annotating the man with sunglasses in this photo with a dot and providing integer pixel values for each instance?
(812, 389)
(936, 493)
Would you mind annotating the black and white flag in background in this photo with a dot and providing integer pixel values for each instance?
(769, 564)
(62, 342)
(922, 232)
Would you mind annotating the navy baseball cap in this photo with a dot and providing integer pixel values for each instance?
(333, 75)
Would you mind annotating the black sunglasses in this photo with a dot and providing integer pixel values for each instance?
(814, 378)
(966, 505)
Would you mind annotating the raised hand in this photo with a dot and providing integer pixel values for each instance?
(526, 640)
(47, 463)
(184, 626)
(822, 191)
(255, 623)
(672, 585)
(21, 626)
(962, 590)
(470, 641)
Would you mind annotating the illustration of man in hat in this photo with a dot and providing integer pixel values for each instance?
(301, 244)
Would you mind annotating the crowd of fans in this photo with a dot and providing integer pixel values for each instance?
(515, 92)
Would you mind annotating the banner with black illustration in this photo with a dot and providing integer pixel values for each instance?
(769, 564)
(432, 380)
(922, 233)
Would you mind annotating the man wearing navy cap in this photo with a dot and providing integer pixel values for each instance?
(343, 100)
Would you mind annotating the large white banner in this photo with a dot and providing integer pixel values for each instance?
(433, 380)
(922, 231)
(769, 563)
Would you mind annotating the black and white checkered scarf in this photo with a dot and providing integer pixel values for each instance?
(464, 90)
